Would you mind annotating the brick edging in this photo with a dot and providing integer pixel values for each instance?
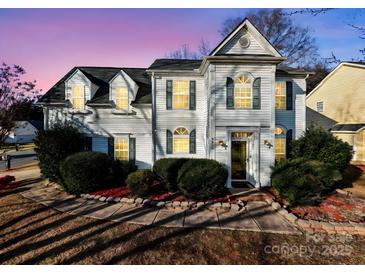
(317, 226)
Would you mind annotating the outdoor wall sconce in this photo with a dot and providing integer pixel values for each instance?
(219, 143)
(268, 144)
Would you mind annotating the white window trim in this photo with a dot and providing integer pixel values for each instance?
(180, 137)
(234, 89)
(115, 100)
(121, 137)
(172, 103)
(72, 97)
(285, 107)
(281, 136)
(319, 102)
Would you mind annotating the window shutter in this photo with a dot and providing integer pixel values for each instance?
(230, 93)
(111, 147)
(168, 94)
(289, 96)
(132, 150)
(168, 142)
(256, 104)
(192, 142)
(192, 95)
(289, 140)
(88, 143)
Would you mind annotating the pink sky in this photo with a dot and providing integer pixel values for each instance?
(49, 42)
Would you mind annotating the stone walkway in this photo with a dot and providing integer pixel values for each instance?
(256, 216)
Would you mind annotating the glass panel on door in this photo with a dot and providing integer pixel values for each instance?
(239, 160)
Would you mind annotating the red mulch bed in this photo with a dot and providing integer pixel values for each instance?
(7, 182)
(334, 207)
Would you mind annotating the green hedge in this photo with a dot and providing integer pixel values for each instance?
(202, 178)
(167, 170)
(54, 145)
(303, 182)
(121, 170)
(85, 172)
(141, 182)
(321, 145)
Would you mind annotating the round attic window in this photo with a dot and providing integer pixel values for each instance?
(244, 41)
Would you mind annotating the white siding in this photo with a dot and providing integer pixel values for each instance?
(78, 78)
(190, 119)
(103, 123)
(123, 80)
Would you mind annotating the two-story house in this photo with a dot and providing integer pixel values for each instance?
(340, 97)
(237, 105)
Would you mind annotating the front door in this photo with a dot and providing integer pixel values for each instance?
(239, 160)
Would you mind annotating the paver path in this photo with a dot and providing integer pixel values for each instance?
(257, 216)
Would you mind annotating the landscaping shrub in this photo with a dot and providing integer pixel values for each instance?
(302, 182)
(318, 144)
(54, 145)
(141, 182)
(121, 170)
(7, 179)
(167, 169)
(202, 178)
(86, 171)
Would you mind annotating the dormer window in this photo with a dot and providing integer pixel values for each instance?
(78, 97)
(121, 98)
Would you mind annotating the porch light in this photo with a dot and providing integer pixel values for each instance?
(268, 144)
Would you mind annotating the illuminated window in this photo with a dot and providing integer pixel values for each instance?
(121, 98)
(280, 95)
(78, 97)
(243, 92)
(280, 144)
(180, 94)
(121, 148)
(181, 140)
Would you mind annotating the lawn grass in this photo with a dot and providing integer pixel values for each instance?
(34, 234)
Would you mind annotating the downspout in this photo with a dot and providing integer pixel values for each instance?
(153, 118)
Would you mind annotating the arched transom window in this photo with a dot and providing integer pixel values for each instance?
(280, 143)
(243, 91)
(181, 140)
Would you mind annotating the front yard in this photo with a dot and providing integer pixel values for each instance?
(33, 234)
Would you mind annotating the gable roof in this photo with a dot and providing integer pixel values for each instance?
(246, 23)
(347, 127)
(101, 77)
(175, 64)
(348, 63)
(316, 118)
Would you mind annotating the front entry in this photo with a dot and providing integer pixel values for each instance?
(239, 160)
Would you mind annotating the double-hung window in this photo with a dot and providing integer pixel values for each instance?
(180, 94)
(280, 95)
(78, 97)
(121, 148)
(121, 98)
(181, 140)
(243, 92)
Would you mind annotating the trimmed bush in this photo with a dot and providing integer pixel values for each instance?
(168, 169)
(303, 182)
(54, 145)
(121, 170)
(201, 179)
(141, 182)
(85, 172)
(318, 144)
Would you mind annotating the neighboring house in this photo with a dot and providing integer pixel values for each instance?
(24, 132)
(237, 105)
(341, 97)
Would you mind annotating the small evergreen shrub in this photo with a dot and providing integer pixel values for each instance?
(54, 145)
(318, 144)
(167, 169)
(121, 170)
(202, 178)
(141, 182)
(303, 182)
(85, 172)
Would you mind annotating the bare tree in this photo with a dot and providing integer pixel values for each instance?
(184, 52)
(13, 91)
(290, 39)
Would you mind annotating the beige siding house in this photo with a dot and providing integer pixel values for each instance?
(341, 97)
